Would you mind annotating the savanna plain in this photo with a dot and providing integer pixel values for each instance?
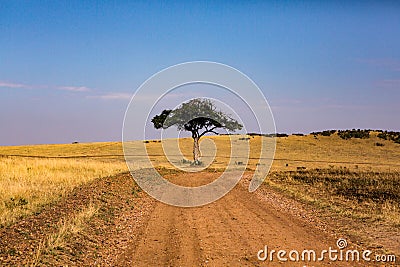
(78, 205)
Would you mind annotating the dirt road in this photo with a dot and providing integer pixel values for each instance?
(132, 229)
(228, 232)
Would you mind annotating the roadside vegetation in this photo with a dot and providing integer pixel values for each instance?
(27, 184)
(67, 228)
(362, 195)
(361, 205)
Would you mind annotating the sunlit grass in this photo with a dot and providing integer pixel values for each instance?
(361, 195)
(298, 151)
(32, 176)
(26, 184)
(66, 229)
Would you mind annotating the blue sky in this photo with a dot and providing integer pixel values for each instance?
(69, 68)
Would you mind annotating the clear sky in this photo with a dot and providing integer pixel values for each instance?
(69, 68)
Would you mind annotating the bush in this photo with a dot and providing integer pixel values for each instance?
(184, 161)
(382, 136)
(196, 163)
(348, 134)
(392, 136)
(328, 133)
(324, 133)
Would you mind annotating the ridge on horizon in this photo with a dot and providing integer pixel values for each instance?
(277, 134)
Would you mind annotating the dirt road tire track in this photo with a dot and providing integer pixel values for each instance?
(136, 230)
(228, 232)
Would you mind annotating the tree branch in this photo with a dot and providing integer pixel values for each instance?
(211, 130)
(195, 134)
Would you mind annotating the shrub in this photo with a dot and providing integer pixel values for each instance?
(392, 136)
(324, 133)
(382, 136)
(184, 161)
(348, 134)
(196, 163)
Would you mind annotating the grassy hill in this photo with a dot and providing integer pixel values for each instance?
(33, 176)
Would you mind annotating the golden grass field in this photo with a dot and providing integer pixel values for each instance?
(302, 151)
(26, 184)
(33, 176)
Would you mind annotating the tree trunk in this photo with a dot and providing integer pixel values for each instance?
(196, 150)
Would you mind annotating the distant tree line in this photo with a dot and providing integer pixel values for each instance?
(345, 134)
(269, 135)
(324, 133)
(361, 134)
(348, 134)
(392, 136)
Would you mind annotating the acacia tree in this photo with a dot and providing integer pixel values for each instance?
(198, 116)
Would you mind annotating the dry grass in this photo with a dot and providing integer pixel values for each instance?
(298, 151)
(69, 227)
(66, 229)
(107, 150)
(294, 151)
(361, 195)
(32, 176)
(26, 184)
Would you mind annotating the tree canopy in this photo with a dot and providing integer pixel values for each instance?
(198, 116)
